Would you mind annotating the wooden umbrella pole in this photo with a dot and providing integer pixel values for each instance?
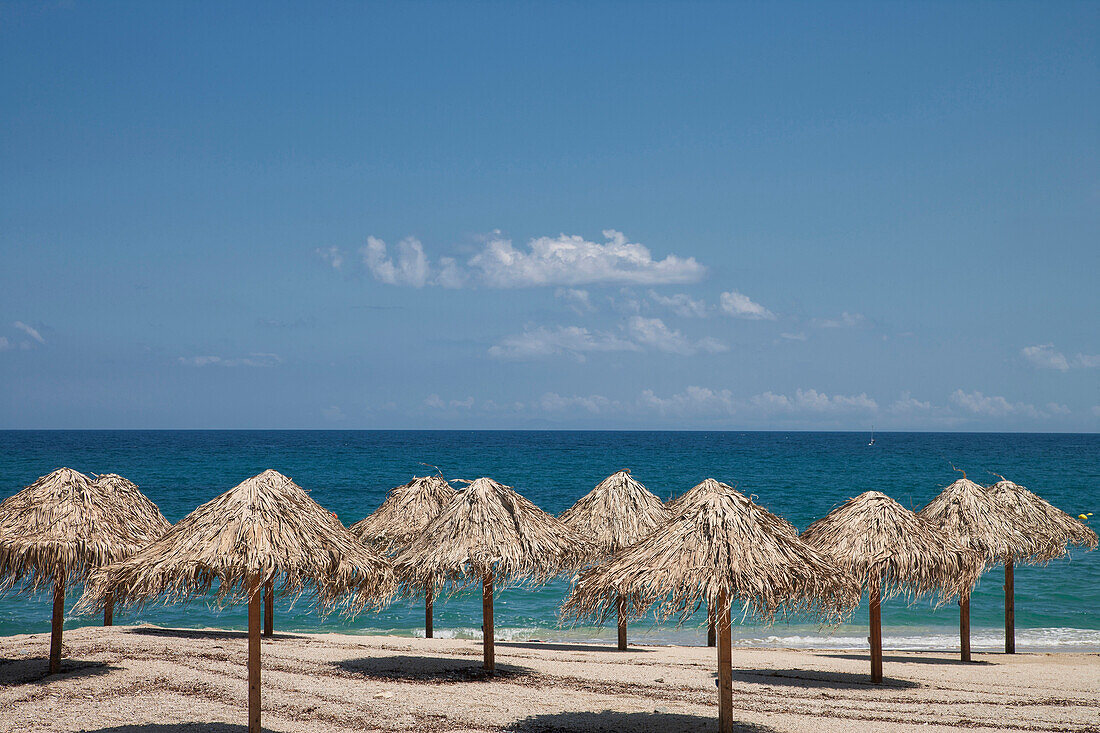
(428, 613)
(57, 623)
(109, 610)
(269, 608)
(964, 627)
(487, 621)
(254, 595)
(622, 623)
(1010, 609)
(874, 594)
(725, 666)
(710, 627)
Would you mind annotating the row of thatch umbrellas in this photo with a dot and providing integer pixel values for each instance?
(711, 546)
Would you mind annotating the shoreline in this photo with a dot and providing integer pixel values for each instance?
(146, 679)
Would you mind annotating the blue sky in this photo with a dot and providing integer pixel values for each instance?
(511, 215)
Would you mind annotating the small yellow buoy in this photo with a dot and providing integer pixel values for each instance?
(1082, 517)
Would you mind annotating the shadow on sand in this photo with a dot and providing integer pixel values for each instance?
(555, 647)
(35, 669)
(429, 669)
(816, 678)
(888, 659)
(610, 721)
(174, 728)
(205, 634)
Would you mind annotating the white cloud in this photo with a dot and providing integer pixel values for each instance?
(810, 400)
(332, 255)
(4, 343)
(450, 274)
(739, 305)
(333, 413)
(907, 403)
(33, 333)
(653, 332)
(625, 303)
(410, 267)
(846, 320)
(573, 260)
(681, 304)
(596, 404)
(692, 402)
(572, 340)
(800, 336)
(1044, 356)
(436, 402)
(255, 359)
(1055, 408)
(991, 406)
(576, 299)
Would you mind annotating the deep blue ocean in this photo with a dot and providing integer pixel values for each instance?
(800, 475)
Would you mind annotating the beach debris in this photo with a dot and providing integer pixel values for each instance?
(722, 550)
(489, 534)
(266, 529)
(58, 530)
(889, 550)
(618, 512)
(404, 514)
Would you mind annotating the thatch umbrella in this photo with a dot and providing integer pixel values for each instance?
(691, 498)
(1038, 518)
(966, 513)
(60, 528)
(724, 550)
(616, 514)
(265, 529)
(490, 534)
(404, 514)
(891, 551)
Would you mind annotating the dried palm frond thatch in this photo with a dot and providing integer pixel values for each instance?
(1039, 519)
(690, 498)
(489, 533)
(723, 550)
(616, 514)
(877, 539)
(967, 513)
(65, 525)
(265, 530)
(892, 551)
(404, 514)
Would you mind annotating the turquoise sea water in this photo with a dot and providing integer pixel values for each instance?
(798, 475)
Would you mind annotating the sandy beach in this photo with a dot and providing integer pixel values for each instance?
(153, 680)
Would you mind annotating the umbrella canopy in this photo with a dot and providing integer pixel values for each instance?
(874, 537)
(65, 525)
(725, 545)
(722, 550)
(967, 513)
(404, 514)
(1039, 518)
(489, 528)
(616, 514)
(880, 542)
(265, 529)
(692, 497)
(488, 532)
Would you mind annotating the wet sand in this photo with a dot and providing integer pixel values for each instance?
(151, 680)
